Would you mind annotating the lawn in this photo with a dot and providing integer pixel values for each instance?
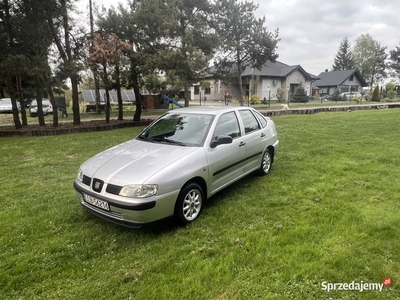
(327, 212)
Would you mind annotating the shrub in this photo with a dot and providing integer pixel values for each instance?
(255, 99)
(391, 94)
(375, 94)
(336, 95)
(82, 106)
(280, 94)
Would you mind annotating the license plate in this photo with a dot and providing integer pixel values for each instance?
(95, 202)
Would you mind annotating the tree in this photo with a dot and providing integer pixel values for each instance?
(375, 94)
(141, 29)
(336, 95)
(343, 59)
(390, 89)
(35, 42)
(300, 95)
(280, 94)
(369, 58)
(108, 51)
(245, 42)
(394, 62)
(189, 42)
(68, 46)
(379, 68)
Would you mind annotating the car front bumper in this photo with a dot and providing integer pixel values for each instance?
(131, 212)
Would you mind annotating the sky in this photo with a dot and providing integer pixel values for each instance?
(311, 30)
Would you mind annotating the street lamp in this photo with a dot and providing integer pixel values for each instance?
(288, 97)
(306, 95)
(269, 97)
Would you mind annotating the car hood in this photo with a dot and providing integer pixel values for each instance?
(133, 162)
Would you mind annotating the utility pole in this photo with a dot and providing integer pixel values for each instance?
(96, 78)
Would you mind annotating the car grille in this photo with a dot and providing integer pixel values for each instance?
(112, 214)
(86, 180)
(111, 188)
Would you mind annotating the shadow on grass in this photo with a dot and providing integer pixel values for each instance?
(167, 225)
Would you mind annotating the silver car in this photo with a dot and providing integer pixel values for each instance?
(6, 105)
(175, 164)
(47, 108)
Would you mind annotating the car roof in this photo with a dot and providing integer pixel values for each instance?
(43, 100)
(211, 110)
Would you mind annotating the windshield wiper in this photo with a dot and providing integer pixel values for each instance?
(166, 140)
(145, 139)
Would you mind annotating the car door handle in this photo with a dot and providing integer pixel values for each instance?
(262, 134)
(242, 144)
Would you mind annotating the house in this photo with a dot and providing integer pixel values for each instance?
(344, 81)
(264, 83)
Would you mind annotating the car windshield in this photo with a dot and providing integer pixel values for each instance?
(5, 101)
(44, 103)
(184, 129)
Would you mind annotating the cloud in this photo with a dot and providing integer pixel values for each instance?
(311, 30)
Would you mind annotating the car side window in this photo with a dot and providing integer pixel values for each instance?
(262, 119)
(227, 125)
(249, 121)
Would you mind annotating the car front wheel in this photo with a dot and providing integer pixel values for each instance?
(266, 163)
(189, 203)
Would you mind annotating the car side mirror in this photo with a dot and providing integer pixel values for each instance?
(221, 140)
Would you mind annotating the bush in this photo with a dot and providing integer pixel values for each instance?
(336, 95)
(82, 106)
(375, 94)
(280, 94)
(391, 94)
(255, 99)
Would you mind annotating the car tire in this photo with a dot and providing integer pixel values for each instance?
(189, 203)
(266, 163)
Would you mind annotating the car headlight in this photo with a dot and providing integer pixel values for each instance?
(80, 175)
(139, 190)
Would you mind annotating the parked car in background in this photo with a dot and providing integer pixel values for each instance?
(175, 164)
(351, 95)
(47, 108)
(6, 105)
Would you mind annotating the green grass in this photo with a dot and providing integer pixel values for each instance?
(328, 211)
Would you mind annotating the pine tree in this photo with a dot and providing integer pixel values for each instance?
(343, 59)
(394, 63)
(375, 94)
(300, 95)
(336, 96)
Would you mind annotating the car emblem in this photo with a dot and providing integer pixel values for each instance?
(97, 185)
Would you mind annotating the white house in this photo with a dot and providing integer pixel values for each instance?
(264, 83)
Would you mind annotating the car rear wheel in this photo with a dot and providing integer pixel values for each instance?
(266, 163)
(189, 203)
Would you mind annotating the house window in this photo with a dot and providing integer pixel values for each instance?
(196, 89)
(207, 91)
(351, 78)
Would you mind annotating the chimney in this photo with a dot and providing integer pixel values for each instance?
(326, 70)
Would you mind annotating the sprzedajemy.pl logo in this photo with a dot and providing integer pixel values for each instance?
(356, 286)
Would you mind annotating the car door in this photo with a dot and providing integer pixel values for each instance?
(255, 139)
(226, 162)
